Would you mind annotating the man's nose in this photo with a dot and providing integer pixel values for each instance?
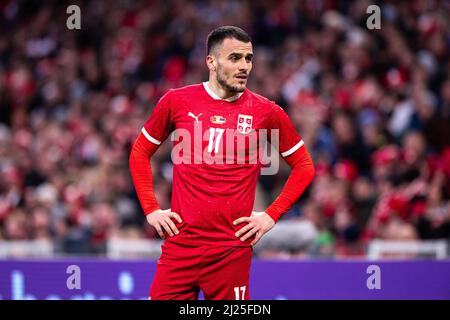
(243, 65)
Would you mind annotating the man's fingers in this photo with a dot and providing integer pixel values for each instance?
(249, 234)
(176, 216)
(241, 219)
(159, 230)
(257, 237)
(172, 225)
(166, 227)
(244, 230)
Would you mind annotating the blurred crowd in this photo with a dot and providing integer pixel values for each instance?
(373, 107)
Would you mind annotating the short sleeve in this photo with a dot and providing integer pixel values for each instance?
(159, 124)
(289, 140)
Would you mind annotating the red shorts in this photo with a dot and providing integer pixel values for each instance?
(222, 273)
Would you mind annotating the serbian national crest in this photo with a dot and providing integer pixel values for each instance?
(244, 124)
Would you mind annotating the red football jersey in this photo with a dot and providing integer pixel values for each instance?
(216, 156)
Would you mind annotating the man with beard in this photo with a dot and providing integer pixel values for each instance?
(210, 229)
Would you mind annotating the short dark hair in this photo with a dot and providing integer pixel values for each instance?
(217, 36)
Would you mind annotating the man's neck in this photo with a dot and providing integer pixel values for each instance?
(219, 91)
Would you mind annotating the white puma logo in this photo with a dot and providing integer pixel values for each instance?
(190, 114)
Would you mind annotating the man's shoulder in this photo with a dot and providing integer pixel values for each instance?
(181, 91)
(260, 99)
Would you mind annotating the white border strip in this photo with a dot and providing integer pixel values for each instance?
(293, 149)
(149, 137)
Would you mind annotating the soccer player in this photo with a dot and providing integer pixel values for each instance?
(210, 229)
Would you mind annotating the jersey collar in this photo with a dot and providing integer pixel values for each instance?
(216, 97)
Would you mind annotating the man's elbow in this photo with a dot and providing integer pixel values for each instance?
(130, 161)
(311, 170)
(132, 156)
(136, 156)
(312, 173)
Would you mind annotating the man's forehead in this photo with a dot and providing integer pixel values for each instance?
(230, 45)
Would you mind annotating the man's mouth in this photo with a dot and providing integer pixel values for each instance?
(242, 76)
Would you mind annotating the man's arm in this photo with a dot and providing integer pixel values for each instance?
(301, 176)
(141, 172)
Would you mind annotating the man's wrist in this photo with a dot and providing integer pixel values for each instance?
(274, 214)
(150, 211)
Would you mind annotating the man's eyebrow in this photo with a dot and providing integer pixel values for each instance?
(236, 54)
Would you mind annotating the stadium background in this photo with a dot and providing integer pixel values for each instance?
(373, 107)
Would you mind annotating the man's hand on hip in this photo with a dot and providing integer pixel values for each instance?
(258, 224)
(162, 220)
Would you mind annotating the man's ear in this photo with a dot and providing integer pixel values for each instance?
(211, 63)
